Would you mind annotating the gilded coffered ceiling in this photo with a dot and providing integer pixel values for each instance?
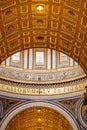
(55, 24)
(39, 118)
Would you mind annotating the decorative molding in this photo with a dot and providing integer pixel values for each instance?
(45, 76)
(42, 89)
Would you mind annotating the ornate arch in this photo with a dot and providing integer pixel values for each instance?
(25, 105)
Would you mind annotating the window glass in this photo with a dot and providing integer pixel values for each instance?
(39, 57)
(63, 57)
(16, 57)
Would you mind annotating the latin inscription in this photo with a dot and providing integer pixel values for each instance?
(43, 91)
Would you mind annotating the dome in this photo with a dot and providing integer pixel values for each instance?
(41, 65)
(41, 71)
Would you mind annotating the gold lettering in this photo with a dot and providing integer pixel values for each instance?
(1, 86)
(33, 91)
(43, 91)
(28, 91)
(24, 91)
(7, 88)
(19, 90)
(48, 90)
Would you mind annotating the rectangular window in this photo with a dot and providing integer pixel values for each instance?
(63, 57)
(39, 57)
(16, 57)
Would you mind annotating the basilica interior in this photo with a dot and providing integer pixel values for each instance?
(43, 64)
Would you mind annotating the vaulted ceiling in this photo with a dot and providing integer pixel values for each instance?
(39, 118)
(56, 24)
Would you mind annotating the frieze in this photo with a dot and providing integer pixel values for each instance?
(42, 91)
(46, 76)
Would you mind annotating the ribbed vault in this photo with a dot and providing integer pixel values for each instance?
(57, 24)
